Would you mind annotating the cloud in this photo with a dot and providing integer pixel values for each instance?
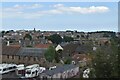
(58, 5)
(81, 10)
(22, 7)
(17, 6)
(21, 11)
(36, 6)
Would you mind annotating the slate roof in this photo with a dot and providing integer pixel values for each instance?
(31, 52)
(59, 69)
(70, 48)
(16, 50)
(83, 49)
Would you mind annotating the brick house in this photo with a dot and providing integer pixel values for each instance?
(18, 55)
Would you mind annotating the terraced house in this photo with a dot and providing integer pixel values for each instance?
(21, 55)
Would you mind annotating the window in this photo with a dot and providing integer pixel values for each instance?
(28, 72)
(10, 67)
(19, 57)
(8, 56)
(12, 57)
(21, 72)
(14, 67)
(33, 72)
(4, 69)
(35, 58)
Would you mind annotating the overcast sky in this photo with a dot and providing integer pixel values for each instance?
(81, 16)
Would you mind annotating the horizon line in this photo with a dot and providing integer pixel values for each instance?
(58, 30)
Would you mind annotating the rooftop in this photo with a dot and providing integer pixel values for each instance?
(59, 69)
(42, 45)
(31, 52)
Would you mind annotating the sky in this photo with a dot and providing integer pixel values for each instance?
(58, 16)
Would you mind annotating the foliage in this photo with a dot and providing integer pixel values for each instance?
(105, 35)
(55, 38)
(67, 39)
(105, 64)
(57, 58)
(50, 54)
(7, 32)
(68, 61)
(28, 36)
(99, 64)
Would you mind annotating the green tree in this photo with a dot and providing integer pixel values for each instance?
(68, 61)
(2, 33)
(101, 65)
(105, 35)
(57, 57)
(55, 38)
(50, 54)
(28, 36)
(7, 32)
(67, 39)
(106, 64)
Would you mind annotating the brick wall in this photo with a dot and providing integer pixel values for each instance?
(21, 59)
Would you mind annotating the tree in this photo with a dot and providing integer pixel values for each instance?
(50, 54)
(106, 64)
(7, 32)
(68, 61)
(2, 33)
(105, 35)
(55, 38)
(28, 36)
(57, 57)
(67, 39)
(101, 65)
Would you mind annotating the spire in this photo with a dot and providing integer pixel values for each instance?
(34, 30)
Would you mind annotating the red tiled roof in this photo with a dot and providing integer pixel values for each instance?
(15, 45)
(42, 45)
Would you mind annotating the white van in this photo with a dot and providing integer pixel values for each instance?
(32, 71)
(20, 71)
(5, 68)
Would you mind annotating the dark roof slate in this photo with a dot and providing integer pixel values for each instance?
(83, 49)
(31, 52)
(59, 69)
